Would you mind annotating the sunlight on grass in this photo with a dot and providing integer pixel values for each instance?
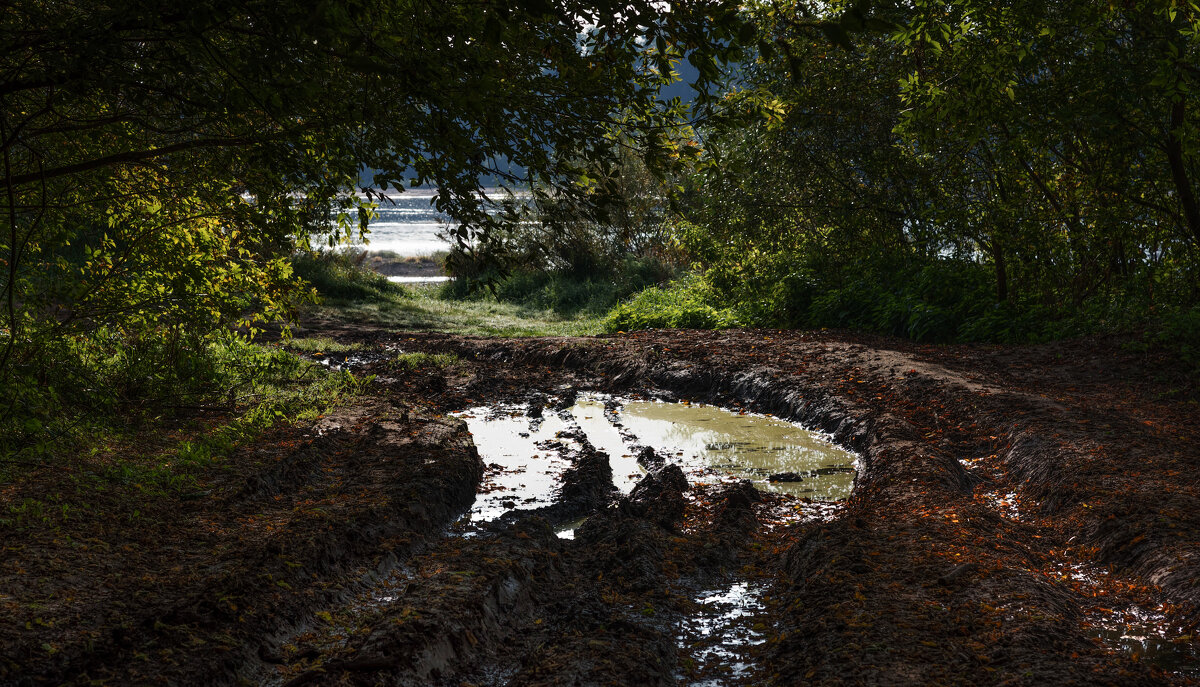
(413, 361)
(420, 309)
(320, 344)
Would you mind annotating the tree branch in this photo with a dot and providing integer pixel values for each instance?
(126, 158)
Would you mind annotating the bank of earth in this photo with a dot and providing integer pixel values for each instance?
(1011, 504)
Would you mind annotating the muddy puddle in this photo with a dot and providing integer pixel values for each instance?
(344, 362)
(1139, 631)
(562, 459)
(528, 447)
(776, 455)
(525, 457)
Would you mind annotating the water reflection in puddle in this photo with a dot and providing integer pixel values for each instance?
(1138, 631)
(597, 425)
(522, 458)
(567, 531)
(705, 438)
(1146, 635)
(721, 631)
(341, 362)
(526, 450)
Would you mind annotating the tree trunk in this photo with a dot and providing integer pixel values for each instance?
(1001, 272)
(1183, 186)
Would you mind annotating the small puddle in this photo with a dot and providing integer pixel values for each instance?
(567, 531)
(719, 633)
(418, 279)
(339, 362)
(1146, 634)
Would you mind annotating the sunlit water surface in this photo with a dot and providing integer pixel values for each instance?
(710, 440)
(409, 225)
(709, 443)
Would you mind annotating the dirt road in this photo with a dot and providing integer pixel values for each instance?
(1013, 503)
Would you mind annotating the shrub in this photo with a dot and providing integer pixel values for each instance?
(339, 275)
(684, 304)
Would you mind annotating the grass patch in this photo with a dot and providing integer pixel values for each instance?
(424, 308)
(413, 361)
(529, 305)
(246, 388)
(310, 391)
(122, 469)
(341, 276)
(321, 344)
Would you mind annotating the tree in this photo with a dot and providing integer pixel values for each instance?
(161, 160)
(955, 169)
(1087, 107)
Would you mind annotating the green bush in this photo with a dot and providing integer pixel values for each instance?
(1178, 330)
(339, 276)
(943, 300)
(684, 304)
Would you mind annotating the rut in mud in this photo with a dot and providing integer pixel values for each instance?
(663, 564)
(997, 532)
(923, 577)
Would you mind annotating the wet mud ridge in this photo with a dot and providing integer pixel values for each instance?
(517, 604)
(588, 582)
(1018, 516)
(193, 589)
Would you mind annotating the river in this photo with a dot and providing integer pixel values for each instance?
(410, 226)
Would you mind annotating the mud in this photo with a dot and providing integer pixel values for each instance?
(989, 477)
(171, 590)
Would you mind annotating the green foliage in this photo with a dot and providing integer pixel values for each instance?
(336, 275)
(614, 223)
(1178, 330)
(927, 303)
(684, 304)
(161, 168)
(952, 171)
(573, 254)
(943, 301)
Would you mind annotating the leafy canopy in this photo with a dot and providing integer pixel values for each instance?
(162, 160)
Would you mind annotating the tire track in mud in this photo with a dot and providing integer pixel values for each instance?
(952, 563)
(206, 587)
(512, 604)
(917, 554)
